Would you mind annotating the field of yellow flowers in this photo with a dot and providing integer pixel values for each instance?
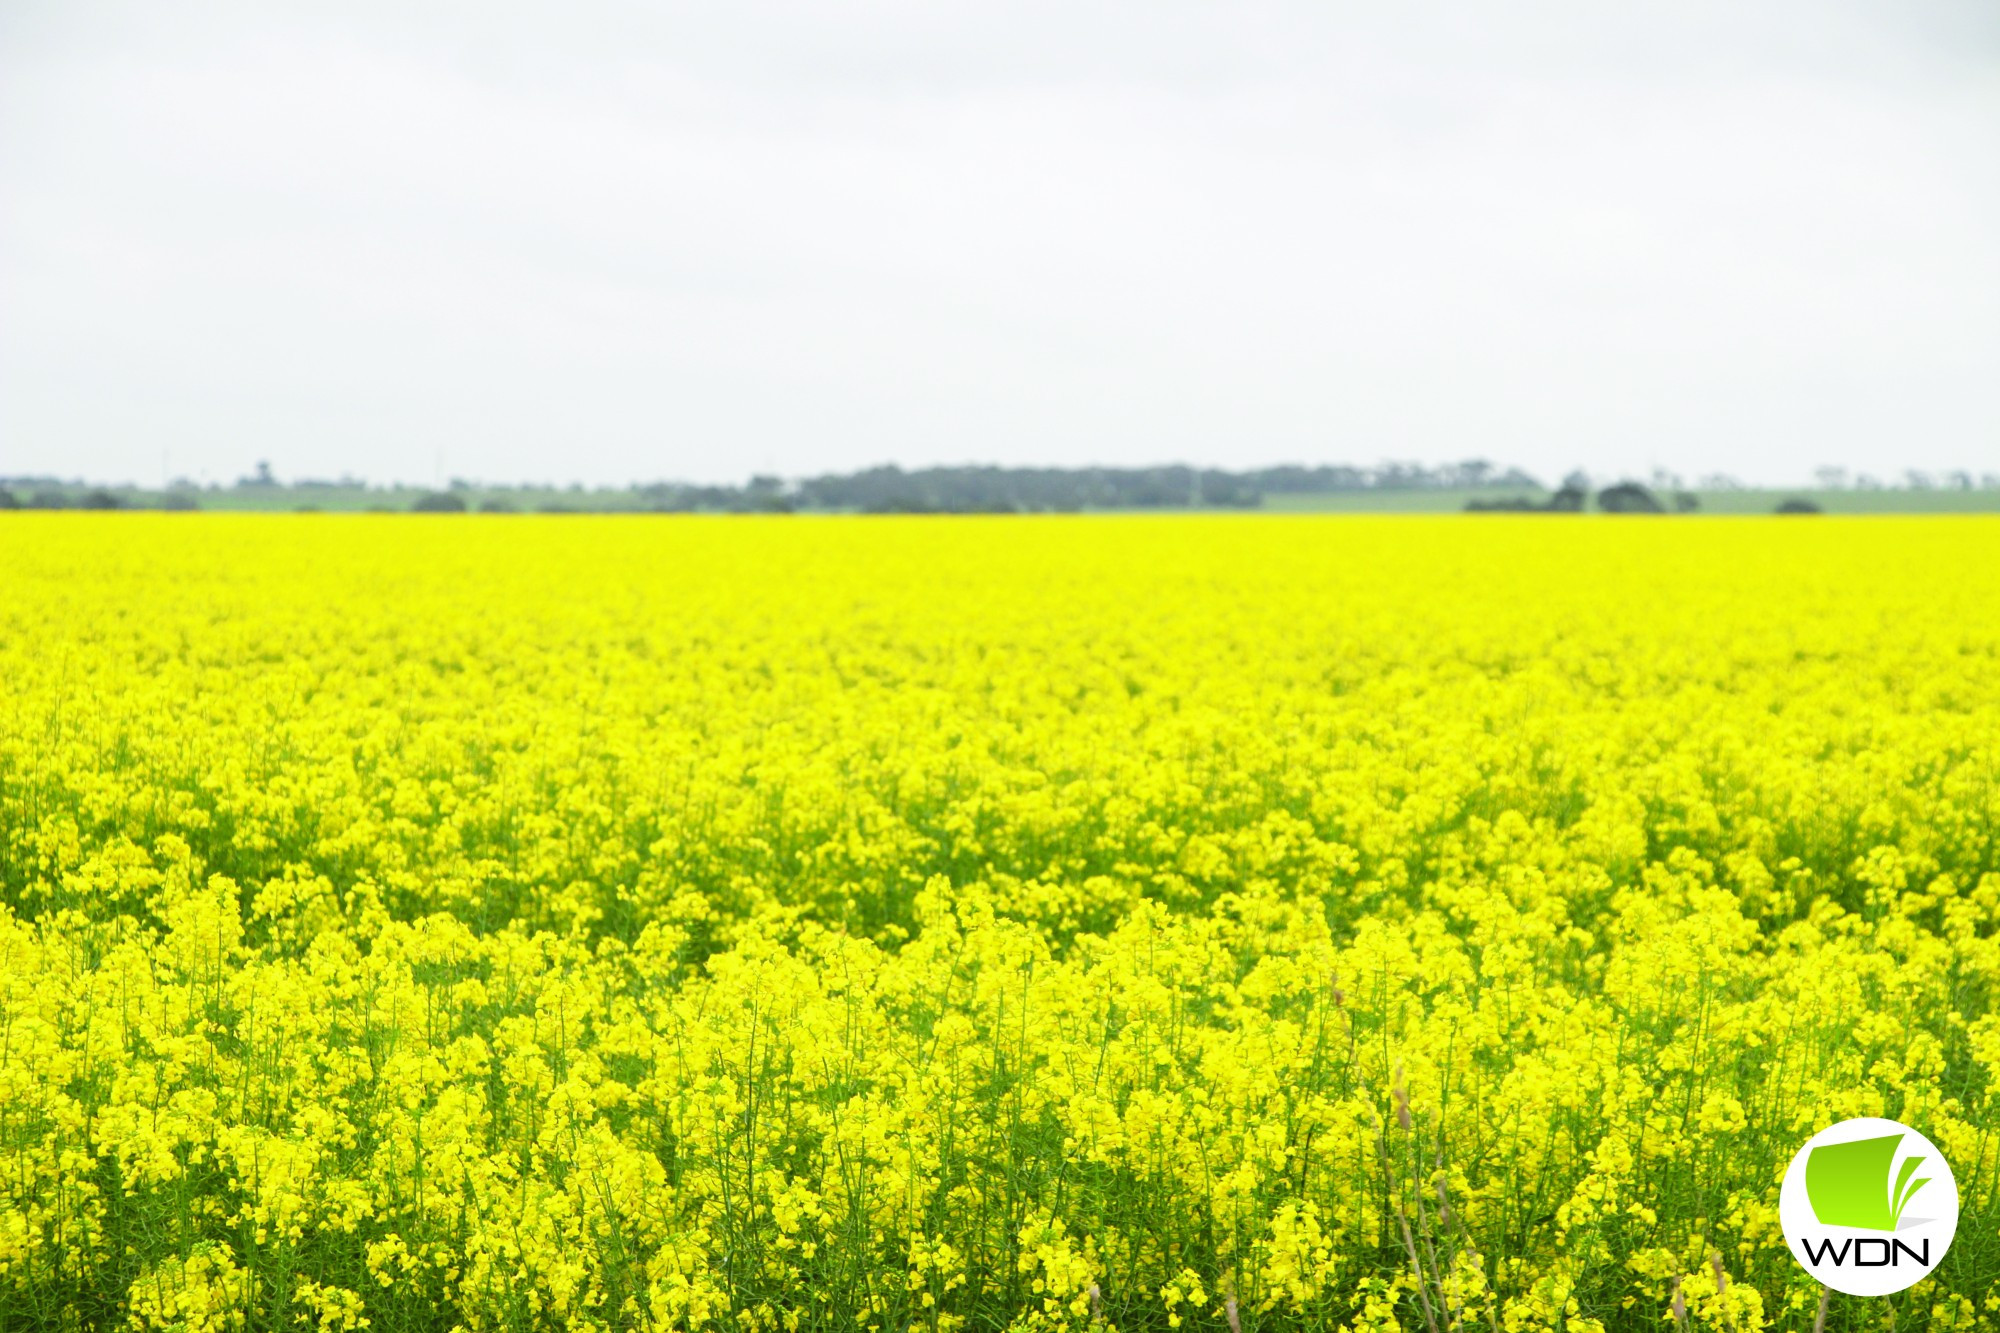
(1253, 923)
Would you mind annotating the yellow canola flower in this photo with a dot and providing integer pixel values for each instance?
(1236, 923)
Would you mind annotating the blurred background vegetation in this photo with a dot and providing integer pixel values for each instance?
(1476, 486)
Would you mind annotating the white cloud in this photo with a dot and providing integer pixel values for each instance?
(599, 242)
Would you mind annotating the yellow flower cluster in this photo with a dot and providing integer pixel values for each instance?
(1211, 923)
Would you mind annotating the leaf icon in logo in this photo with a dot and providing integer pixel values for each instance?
(1848, 1183)
(1905, 1191)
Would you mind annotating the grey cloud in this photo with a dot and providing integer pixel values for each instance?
(618, 242)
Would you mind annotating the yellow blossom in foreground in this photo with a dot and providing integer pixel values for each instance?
(1229, 924)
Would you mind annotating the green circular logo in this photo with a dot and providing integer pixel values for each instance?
(1869, 1206)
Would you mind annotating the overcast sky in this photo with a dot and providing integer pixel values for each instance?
(587, 241)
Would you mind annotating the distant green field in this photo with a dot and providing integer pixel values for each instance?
(1430, 500)
(1986, 501)
(1425, 500)
(340, 499)
(1438, 501)
(349, 499)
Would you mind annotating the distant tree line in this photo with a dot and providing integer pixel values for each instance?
(57, 496)
(878, 490)
(1009, 490)
(997, 490)
(1573, 496)
(1625, 497)
(943, 490)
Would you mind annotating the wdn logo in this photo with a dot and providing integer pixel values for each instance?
(1831, 1253)
(1869, 1206)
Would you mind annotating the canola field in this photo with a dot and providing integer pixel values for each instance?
(1226, 924)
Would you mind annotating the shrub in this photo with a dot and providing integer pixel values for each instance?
(1629, 497)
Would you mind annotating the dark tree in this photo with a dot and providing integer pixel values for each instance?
(439, 502)
(1629, 497)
